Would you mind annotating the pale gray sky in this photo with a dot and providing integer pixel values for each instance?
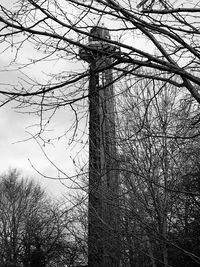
(16, 153)
(14, 128)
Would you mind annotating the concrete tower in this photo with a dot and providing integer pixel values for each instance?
(103, 217)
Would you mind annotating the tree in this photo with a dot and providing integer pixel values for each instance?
(18, 200)
(34, 231)
(56, 30)
(158, 188)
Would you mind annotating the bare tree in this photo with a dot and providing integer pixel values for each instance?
(157, 41)
(154, 166)
(34, 230)
(57, 29)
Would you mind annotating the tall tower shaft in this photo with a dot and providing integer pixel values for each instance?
(103, 248)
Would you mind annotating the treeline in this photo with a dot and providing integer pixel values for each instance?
(159, 193)
(158, 140)
(36, 231)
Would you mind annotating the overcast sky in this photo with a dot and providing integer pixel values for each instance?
(15, 127)
(16, 153)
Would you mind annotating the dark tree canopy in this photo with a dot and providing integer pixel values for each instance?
(34, 230)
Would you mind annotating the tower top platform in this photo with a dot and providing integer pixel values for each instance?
(98, 44)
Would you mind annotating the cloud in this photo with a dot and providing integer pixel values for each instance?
(14, 127)
(14, 153)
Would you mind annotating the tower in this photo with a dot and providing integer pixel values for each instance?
(103, 248)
